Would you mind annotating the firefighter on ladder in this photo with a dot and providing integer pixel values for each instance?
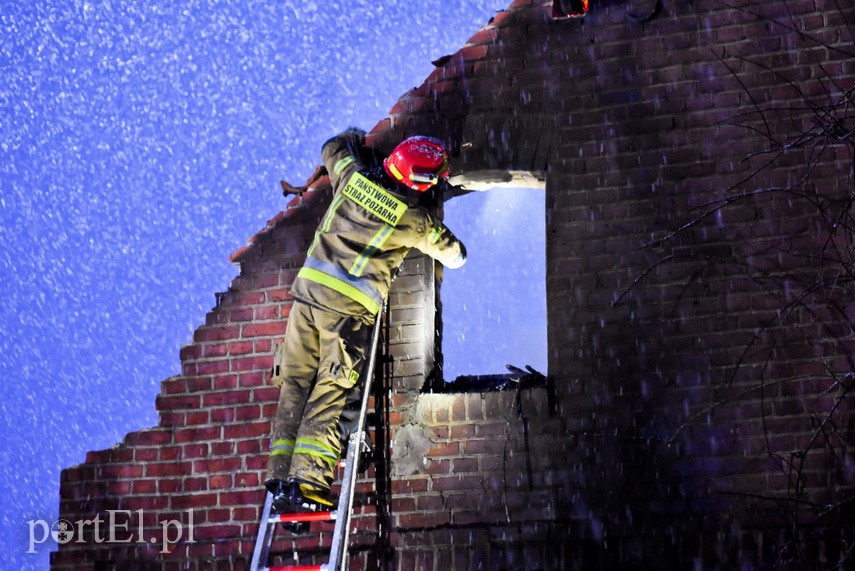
(373, 221)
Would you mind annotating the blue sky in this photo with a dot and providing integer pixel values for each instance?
(140, 144)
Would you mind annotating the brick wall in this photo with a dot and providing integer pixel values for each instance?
(699, 331)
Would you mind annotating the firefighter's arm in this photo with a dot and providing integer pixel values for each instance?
(341, 154)
(442, 245)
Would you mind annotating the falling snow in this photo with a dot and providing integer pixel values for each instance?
(140, 144)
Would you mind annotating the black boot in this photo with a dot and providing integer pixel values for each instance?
(281, 496)
(282, 505)
(307, 497)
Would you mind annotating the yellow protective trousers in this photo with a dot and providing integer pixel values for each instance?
(322, 360)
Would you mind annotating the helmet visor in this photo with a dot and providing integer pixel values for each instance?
(424, 178)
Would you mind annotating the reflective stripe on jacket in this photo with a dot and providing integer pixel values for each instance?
(364, 236)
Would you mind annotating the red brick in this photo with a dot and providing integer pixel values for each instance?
(253, 379)
(215, 532)
(195, 501)
(109, 456)
(194, 484)
(399, 108)
(147, 503)
(223, 448)
(176, 402)
(174, 385)
(278, 295)
(266, 313)
(110, 471)
(244, 498)
(143, 487)
(208, 334)
(251, 447)
(199, 384)
(264, 329)
(218, 515)
(491, 429)
(198, 434)
(223, 415)
(420, 520)
(252, 363)
(209, 367)
(225, 382)
(484, 36)
(267, 394)
(240, 348)
(247, 480)
(226, 398)
(241, 315)
(119, 488)
(170, 486)
(196, 417)
(438, 467)
(190, 352)
(444, 449)
(458, 483)
(227, 464)
(409, 485)
(210, 350)
(170, 453)
(403, 505)
(484, 446)
(146, 454)
(246, 430)
(461, 465)
(221, 481)
(433, 502)
(162, 469)
(462, 431)
(247, 298)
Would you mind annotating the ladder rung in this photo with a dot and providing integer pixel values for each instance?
(358, 443)
(303, 516)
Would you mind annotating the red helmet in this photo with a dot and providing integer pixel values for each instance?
(418, 163)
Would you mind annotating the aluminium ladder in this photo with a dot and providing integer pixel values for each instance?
(338, 560)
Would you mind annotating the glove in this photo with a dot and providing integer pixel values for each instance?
(355, 138)
(355, 131)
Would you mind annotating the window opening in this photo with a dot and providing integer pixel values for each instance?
(494, 307)
(569, 8)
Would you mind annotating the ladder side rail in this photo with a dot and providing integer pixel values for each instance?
(264, 538)
(382, 477)
(338, 549)
(338, 545)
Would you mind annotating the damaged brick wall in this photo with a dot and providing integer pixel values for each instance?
(663, 451)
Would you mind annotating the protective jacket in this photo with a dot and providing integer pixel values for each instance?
(364, 236)
(362, 239)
